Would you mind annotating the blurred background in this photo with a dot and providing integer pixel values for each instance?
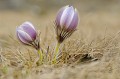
(95, 15)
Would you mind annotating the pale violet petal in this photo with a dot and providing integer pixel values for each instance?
(29, 24)
(24, 37)
(75, 21)
(67, 17)
(70, 18)
(59, 14)
(64, 17)
(29, 29)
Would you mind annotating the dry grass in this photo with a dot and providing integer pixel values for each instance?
(92, 52)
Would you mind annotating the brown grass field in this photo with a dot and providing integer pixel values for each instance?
(92, 52)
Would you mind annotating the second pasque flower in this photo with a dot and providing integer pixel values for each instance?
(66, 22)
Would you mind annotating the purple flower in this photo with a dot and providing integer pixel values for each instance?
(66, 22)
(67, 18)
(26, 33)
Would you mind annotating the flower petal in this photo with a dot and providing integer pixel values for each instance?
(66, 17)
(24, 37)
(29, 29)
(59, 14)
(74, 21)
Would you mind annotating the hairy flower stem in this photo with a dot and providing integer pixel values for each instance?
(56, 53)
(40, 56)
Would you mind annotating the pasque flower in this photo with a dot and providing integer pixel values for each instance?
(26, 33)
(66, 22)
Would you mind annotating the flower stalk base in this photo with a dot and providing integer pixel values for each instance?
(56, 53)
(40, 61)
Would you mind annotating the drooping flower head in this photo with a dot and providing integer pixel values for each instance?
(66, 22)
(26, 33)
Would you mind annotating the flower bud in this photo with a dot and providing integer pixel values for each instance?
(67, 18)
(26, 33)
(66, 22)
